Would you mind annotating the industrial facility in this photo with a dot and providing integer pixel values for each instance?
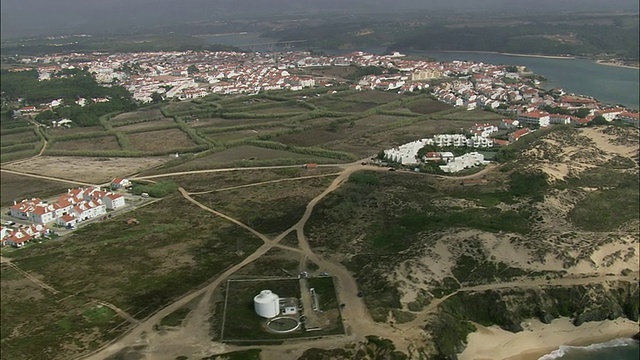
(267, 304)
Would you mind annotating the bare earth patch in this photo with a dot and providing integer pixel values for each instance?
(145, 125)
(160, 140)
(86, 169)
(93, 144)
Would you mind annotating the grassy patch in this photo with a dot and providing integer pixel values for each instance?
(17, 187)
(161, 140)
(175, 318)
(606, 210)
(99, 315)
(402, 317)
(269, 208)
(381, 219)
(157, 260)
(251, 354)
(241, 320)
(242, 324)
(156, 190)
(276, 262)
(478, 270)
(93, 144)
(427, 106)
(36, 323)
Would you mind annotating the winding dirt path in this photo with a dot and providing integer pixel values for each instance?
(52, 290)
(185, 194)
(193, 337)
(263, 183)
(31, 277)
(207, 171)
(123, 314)
(44, 146)
(73, 182)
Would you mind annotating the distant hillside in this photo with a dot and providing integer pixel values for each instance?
(32, 17)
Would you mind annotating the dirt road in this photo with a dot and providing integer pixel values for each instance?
(207, 171)
(47, 178)
(44, 146)
(264, 183)
(193, 337)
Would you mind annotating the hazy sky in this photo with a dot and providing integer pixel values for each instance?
(27, 17)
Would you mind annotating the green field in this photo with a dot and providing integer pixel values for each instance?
(126, 265)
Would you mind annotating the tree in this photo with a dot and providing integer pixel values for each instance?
(512, 68)
(46, 115)
(582, 113)
(598, 120)
(192, 69)
(333, 126)
(427, 148)
(156, 97)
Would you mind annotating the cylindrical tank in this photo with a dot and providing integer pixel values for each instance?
(266, 304)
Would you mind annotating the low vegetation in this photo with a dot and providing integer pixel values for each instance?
(157, 260)
(156, 190)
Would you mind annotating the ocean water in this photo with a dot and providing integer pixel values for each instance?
(608, 84)
(617, 349)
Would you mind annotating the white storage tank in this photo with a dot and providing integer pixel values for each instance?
(267, 304)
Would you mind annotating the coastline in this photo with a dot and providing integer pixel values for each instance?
(539, 339)
(508, 54)
(605, 63)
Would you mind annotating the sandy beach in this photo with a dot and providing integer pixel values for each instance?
(539, 339)
(615, 64)
(540, 56)
(510, 54)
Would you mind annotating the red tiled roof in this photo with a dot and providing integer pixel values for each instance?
(41, 210)
(630, 115)
(534, 114)
(519, 133)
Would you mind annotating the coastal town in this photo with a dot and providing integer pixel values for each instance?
(188, 75)
(512, 91)
(421, 117)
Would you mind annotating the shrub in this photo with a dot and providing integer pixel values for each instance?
(156, 190)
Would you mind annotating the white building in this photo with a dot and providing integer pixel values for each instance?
(113, 201)
(88, 210)
(42, 214)
(464, 162)
(535, 118)
(560, 119)
(406, 154)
